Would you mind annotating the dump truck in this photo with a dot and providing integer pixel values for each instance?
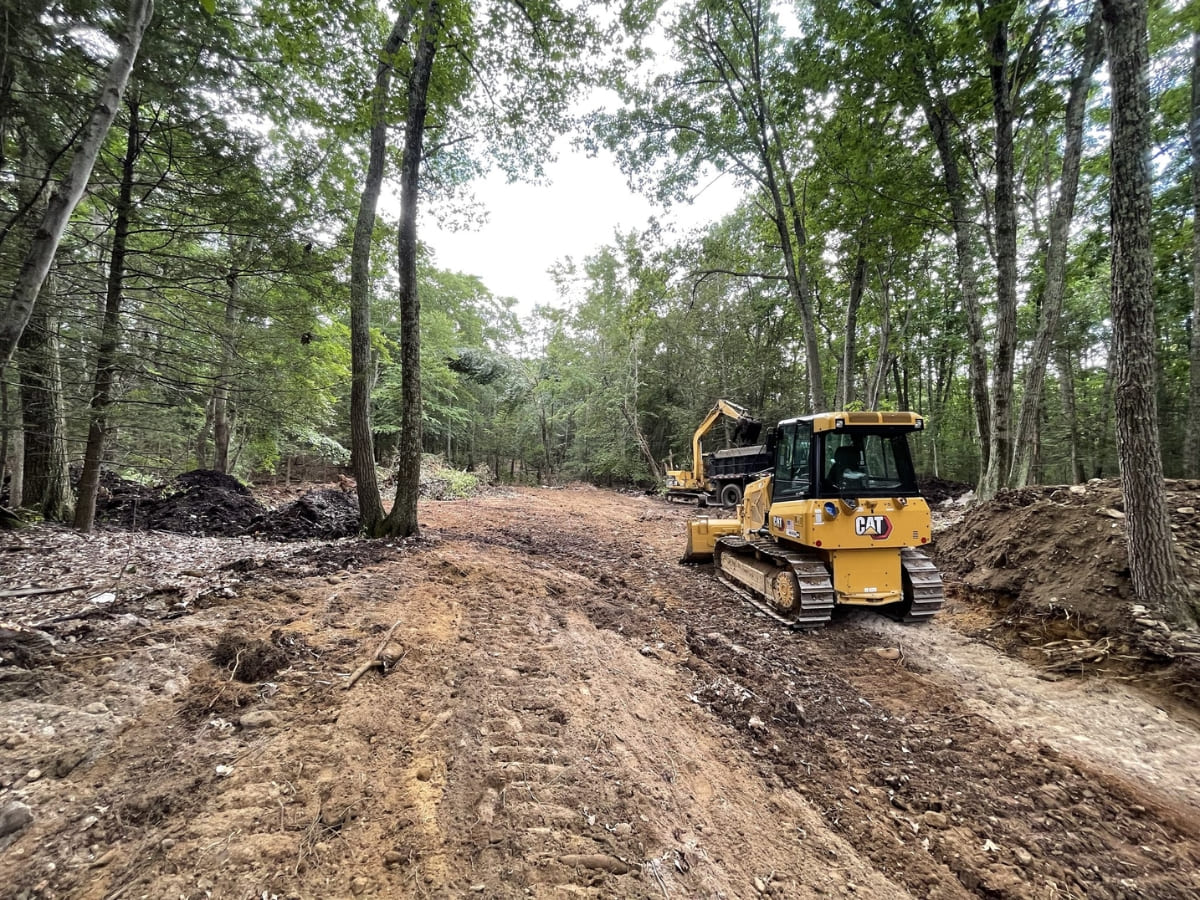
(721, 476)
(838, 521)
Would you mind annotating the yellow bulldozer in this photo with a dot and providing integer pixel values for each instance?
(838, 521)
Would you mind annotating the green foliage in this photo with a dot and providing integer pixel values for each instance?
(251, 148)
(442, 482)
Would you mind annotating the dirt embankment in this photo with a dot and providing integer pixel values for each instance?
(555, 707)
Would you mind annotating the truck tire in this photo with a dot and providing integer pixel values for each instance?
(731, 494)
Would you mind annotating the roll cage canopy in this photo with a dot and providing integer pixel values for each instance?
(846, 455)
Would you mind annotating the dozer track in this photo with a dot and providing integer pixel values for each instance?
(927, 593)
(799, 592)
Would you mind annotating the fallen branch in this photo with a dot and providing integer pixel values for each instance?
(376, 660)
(33, 592)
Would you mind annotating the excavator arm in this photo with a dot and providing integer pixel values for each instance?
(746, 428)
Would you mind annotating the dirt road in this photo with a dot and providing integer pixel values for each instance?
(562, 710)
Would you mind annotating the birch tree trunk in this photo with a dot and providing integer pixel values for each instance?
(362, 442)
(402, 520)
(36, 266)
(1056, 254)
(1153, 568)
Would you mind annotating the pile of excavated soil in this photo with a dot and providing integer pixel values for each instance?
(1059, 547)
(201, 502)
(323, 514)
(205, 502)
(1054, 559)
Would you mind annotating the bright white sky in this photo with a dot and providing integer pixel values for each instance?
(531, 227)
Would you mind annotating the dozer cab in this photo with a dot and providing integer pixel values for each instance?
(839, 521)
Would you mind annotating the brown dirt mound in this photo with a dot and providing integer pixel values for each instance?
(1054, 561)
(1062, 547)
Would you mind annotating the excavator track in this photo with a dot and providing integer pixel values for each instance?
(804, 601)
(927, 593)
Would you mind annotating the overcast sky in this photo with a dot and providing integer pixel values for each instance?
(530, 227)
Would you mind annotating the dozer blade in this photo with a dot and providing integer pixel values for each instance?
(703, 534)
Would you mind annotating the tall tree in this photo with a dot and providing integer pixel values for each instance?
(1153, 568)
(732, 104)
(995, 20)
(1056, 251)
(362, 445)
(62, 204)
(401, 521)
(1191, 442)
(110, 332)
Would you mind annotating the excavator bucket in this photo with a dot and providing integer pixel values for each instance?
(703, 534)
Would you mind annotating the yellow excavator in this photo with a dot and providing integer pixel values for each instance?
(720, 476)
(839, 521)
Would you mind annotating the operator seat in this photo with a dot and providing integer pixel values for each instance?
(845, 459)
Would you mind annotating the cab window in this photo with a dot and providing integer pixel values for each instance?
(793, 478)
(858, 463)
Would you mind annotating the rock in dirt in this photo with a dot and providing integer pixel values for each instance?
(595, 861)
(262, 718)
(14, 817)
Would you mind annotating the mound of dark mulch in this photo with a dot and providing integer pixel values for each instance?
(211, 480)
(939, 490)
(201, 502)
(323, 515)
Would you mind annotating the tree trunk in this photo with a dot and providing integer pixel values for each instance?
(16, 478)
(110, 333)
(882, 359)
(1056, 254)
(362, 442)
(47, 479)
(1152, 564)
(402, 520)
(939, 118)
(994, 20)
(850, 348)
(1066, 373)
(6, 430)
(222, 418)
(1191, 440)
(797, 269)
(37, 262)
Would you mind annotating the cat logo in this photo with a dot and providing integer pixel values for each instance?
(878, 527)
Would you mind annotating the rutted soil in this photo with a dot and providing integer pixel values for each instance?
(554, 708)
